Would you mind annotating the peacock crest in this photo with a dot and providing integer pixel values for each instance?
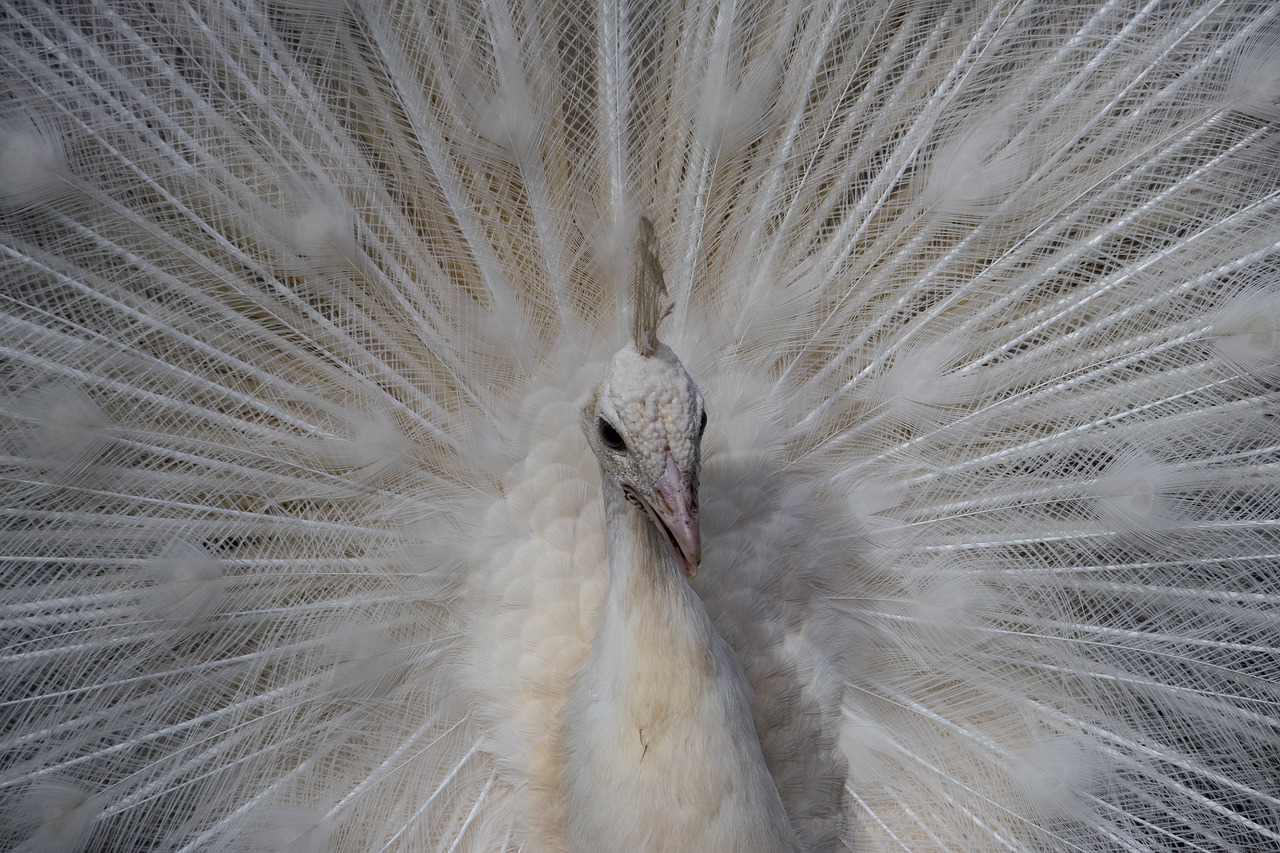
(650, 301)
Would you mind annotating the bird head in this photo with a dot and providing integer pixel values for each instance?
(644, 422)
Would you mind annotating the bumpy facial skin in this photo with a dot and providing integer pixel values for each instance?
(644, 423)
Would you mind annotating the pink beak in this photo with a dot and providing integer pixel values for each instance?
(677, 511)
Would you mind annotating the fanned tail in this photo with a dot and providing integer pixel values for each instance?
(299, 536)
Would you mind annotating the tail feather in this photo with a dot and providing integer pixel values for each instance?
(299, 298)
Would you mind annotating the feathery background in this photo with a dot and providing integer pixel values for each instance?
(297, 300)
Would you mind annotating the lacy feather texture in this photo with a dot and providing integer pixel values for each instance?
(311, 538)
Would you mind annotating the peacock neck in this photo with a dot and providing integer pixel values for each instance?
(661, 751)
(645, 581)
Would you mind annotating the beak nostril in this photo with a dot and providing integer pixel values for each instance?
(664, 500)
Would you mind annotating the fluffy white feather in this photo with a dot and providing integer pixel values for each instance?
(303, 547)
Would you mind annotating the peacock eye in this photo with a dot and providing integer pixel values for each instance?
(702, 427)
(611, 437)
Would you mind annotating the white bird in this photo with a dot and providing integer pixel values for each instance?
(352, 503)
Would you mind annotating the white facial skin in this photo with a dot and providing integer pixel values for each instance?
(645, 422)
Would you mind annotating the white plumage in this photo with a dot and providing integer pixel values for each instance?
(304, 548)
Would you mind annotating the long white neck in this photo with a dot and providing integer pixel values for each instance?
(660, 750)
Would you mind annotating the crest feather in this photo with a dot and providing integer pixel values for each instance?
(649, 291)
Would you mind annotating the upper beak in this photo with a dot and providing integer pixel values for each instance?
(676, 508)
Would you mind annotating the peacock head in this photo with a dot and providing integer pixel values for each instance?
(644, 422)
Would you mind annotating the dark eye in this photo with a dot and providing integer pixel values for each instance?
(702, 427)
(611, 438)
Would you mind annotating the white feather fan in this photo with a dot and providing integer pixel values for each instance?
(304, 548)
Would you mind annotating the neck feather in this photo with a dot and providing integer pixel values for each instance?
(659, 745)
(645, 580)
